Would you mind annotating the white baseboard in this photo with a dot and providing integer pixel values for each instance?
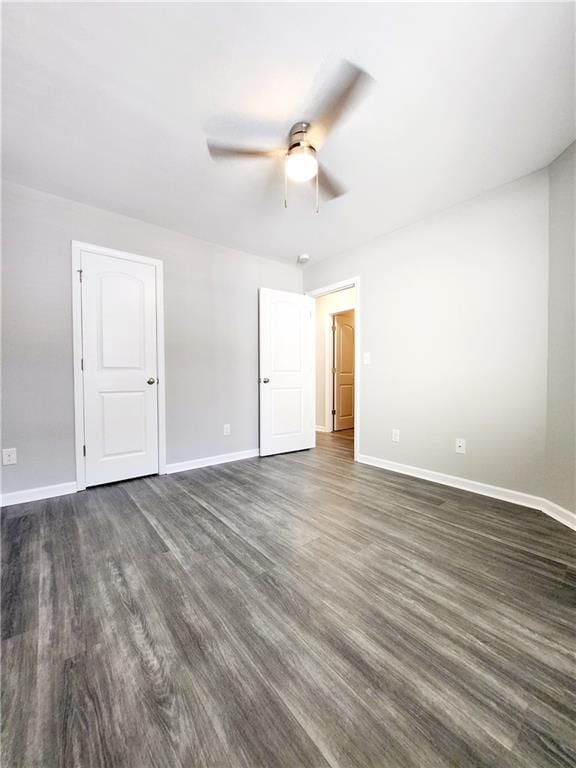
(36, 494)
(559, 513)
(63, 489)
(209, 461)
(504, 494)
(321, 429)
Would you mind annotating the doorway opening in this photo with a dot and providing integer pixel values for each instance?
(337, 355)
(341, 372)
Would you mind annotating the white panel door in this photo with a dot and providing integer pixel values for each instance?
(286, 372)
(120, 368)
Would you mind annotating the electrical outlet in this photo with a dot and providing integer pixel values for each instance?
(460, 445)
(9, 456)
(395, 435)
(226, 429)
(366, 357)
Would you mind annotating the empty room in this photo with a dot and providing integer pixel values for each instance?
(288, 421)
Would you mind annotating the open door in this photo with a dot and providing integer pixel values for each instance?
(286, 372)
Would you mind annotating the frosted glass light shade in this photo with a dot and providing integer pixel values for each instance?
(301, 164)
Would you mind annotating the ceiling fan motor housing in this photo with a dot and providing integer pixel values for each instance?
(299, 136)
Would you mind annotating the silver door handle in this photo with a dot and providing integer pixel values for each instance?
(151, 380)
(265, 381)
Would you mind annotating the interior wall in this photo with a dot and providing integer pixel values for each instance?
(326, 306)
(561, 409)
(211, 317)
(455, 318)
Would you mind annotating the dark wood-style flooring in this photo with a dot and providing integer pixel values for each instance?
(296, 611)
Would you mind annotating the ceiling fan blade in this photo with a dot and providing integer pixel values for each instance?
(348, 85)
(328, 185)
(228, 152)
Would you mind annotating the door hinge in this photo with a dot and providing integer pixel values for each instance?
(333, 370)
(333, 412)
(80, 275)
(81, 363)
(84, 450)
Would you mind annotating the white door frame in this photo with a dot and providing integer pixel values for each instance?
(353, 282)
(77, 249)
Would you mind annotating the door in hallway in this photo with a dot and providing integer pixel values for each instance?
(344, 370)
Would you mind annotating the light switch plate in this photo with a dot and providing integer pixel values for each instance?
(366, 358)
(395, 435)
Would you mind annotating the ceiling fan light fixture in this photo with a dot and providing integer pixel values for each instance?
(301, 163)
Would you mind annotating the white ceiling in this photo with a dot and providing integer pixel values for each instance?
(110, 104)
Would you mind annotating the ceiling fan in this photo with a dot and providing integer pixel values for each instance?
(306, 137)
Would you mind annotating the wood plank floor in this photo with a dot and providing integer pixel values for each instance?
(294, 611)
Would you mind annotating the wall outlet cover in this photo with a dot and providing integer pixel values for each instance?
(226, 429)
(460, 445)
(367, 358)
(395, 435)
(9, 456)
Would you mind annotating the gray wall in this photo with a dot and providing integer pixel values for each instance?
(211, 333)
(466, 339)
(454, 312)
(561, 431)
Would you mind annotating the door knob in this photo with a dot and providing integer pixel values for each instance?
(265, 381)
(151, 380)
